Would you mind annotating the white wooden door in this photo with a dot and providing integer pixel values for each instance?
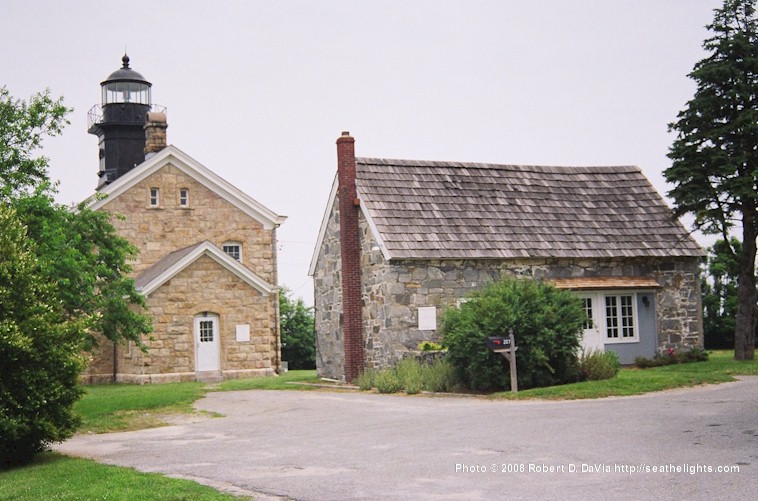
(592, 338)
(207, 345)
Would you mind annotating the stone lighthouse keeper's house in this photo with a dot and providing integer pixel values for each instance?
(207, 251)
(402, 239)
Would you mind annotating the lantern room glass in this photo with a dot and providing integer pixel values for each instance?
(126, 92)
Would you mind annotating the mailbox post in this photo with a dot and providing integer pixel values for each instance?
(506, 346)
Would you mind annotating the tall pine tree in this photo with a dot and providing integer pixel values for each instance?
(715, 154)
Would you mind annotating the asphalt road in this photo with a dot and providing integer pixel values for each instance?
(335, 446)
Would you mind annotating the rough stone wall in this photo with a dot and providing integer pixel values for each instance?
(679, 305)
(100, 363)
(157, 231)
(327, 280)
(391, 321)
(204, 286)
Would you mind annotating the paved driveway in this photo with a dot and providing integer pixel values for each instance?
(333, 446)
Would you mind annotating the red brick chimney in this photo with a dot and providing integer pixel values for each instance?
(350, 247)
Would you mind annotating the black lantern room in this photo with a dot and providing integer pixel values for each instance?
(119, 122)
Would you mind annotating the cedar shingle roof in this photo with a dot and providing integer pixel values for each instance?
(449, 210)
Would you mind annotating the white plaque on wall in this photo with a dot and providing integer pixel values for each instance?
(427, 318)
(243, 333)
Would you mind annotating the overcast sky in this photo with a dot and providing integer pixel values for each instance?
(258, 91)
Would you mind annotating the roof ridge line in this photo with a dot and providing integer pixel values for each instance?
(482, 165)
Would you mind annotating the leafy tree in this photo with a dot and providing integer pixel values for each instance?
(79, 251)
(22, 127)
(40, 352)
(719, 286)
(546, 323)
(63, 278)
(298, 332)
(715, 154)
(87, 261)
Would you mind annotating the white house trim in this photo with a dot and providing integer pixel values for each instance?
(374, 230)
(325, 224)
(206, 248)
(176, 157)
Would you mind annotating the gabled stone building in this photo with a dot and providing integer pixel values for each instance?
(401, 240)
(207, 251)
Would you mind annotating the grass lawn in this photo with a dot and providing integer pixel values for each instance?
(54, 477)
(719, 368)
(123, 407)
(283, 382)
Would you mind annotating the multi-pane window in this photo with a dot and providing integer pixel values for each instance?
(233, 250)
(619, 316)
(206, 331)
(587, 305)
(184, 197)
(154, 197)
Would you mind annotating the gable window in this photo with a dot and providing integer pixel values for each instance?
(234, 249)
(619, 317)
(154, 197)
(184, 197)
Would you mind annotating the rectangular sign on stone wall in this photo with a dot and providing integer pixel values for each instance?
(427, 318)
(243, 333)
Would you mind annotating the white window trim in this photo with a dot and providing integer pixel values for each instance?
(589, 321)
(184, 202)
(603, 325)
(157, 198)
(635, 317)
(231, 243)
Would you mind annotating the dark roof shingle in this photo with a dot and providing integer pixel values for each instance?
(449, 210)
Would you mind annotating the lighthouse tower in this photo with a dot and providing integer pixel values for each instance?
(119, 122)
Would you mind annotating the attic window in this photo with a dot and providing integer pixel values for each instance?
(154, 197)
(184, 197)
(234, 249)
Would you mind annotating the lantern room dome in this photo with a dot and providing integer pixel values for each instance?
(126, 86)
(126, 73)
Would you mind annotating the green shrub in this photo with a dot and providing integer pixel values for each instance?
(598, 365)
(546, 322)
(439, 377)
(671, 356)
(40, 353)
(429, 346)
(386, 381)
(409, 372)
(365, 380)
(692, 355)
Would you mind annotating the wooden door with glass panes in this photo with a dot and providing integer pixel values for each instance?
(592, 331)
(207, 345)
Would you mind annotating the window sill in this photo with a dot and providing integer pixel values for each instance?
(622, 341)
